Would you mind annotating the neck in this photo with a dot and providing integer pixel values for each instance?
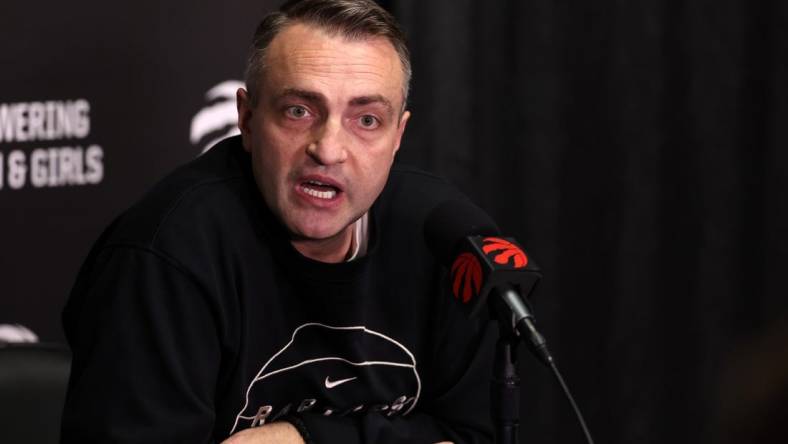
(332, 250)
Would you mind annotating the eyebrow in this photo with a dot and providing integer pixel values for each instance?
(301, 93)
(375, 98)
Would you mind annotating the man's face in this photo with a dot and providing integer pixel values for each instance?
(325, 128)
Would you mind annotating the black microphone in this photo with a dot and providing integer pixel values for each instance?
(485, 267)
(481, 262)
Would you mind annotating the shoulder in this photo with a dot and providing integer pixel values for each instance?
(418, 187)
(408, 175)
(411, 192)
(406, 202)
(198, 196)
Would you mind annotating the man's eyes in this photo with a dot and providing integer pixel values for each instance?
(365, 121)
(297, 112)
(368, 121)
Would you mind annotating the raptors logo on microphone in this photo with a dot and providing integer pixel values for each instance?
(467, 274)
(503, 252)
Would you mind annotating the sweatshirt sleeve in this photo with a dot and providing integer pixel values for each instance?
(455, 405)
(146, 352)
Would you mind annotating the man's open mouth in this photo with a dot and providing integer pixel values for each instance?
(319, 189)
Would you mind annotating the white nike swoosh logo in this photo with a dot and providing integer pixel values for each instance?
(332, 384)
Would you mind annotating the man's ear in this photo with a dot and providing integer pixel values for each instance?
(403, 121)
(244, 106)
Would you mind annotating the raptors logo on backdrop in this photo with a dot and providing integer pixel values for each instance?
(16, 333)
(332, 371)
(218, 119)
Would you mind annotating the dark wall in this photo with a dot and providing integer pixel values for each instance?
(636, 148)
(143, 68)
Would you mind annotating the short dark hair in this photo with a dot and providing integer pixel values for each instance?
(352, 19)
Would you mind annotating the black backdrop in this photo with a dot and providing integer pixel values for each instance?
(144, 68)
(636, 148)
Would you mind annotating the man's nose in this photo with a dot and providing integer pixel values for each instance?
(330, 146)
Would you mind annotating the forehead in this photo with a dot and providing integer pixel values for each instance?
(306, 57)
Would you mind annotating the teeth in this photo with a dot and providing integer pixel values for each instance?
(319, 194)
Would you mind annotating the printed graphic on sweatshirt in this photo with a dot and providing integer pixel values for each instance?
(332, 370)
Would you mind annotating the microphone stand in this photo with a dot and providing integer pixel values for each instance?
(515, 321)
(505, 388)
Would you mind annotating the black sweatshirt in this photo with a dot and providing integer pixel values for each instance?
(193, 317)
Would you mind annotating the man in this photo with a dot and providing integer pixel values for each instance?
(278, 289)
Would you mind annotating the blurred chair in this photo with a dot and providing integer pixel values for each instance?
(33, 380)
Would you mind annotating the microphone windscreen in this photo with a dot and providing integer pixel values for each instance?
(451, 222)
